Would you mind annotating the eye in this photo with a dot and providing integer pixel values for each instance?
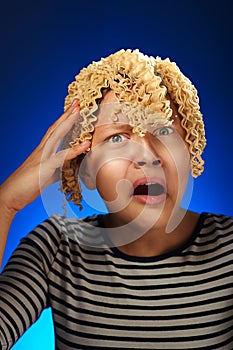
(118, 138)
(165, 130)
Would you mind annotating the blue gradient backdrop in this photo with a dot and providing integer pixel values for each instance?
(43, 46)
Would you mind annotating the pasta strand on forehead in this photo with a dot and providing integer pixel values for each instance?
(141, 84)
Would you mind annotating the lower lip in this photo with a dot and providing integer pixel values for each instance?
(150, 200)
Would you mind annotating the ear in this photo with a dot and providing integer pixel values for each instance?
(86, 176)
(88, 181)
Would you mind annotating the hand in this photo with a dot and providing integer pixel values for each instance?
(41, 168)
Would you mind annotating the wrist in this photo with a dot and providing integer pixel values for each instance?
(6, 208)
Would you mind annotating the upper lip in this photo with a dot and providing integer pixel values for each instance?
(149, 180)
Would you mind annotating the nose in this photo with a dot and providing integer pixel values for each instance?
(154, 162)
(146, 154)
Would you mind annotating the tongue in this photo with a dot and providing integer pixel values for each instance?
(149, 190)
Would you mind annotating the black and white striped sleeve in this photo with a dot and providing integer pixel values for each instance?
(23, 282)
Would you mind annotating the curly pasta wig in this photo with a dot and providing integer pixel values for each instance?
(142, 85)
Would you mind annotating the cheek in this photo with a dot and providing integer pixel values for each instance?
(176, 149)
(109, 177)
(181, 159)
(176, 163)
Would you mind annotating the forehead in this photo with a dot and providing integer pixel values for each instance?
(111, 111)
(108, 106)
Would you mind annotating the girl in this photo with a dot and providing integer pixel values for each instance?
(148, 274)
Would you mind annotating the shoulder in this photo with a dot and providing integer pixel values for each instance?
(216, 228)
(58, 226)
(213, 238)
(221, 222)
(57, 231)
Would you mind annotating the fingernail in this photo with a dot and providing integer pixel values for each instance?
(74, 110)
(84, 142)
(74, 102)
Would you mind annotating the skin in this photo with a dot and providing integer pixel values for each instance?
(171, 156)
(38, 171)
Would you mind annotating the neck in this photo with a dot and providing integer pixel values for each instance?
(160, 239)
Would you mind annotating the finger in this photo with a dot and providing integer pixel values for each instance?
(50, 168)
(59, 158)
(73, 109)
(55, 139)
(62, 129)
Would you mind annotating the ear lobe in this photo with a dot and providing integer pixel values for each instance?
(88, 181)
(86, 177)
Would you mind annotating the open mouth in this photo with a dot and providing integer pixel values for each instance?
(149, 189)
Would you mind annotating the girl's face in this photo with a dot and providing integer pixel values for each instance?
(137, 176)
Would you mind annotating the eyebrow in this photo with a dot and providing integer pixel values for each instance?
(115, 127)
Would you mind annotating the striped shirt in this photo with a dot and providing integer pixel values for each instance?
(102, 298)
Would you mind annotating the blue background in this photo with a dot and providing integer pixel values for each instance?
(45, 44)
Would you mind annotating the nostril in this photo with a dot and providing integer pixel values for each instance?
(156, 162)
(141, 163)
